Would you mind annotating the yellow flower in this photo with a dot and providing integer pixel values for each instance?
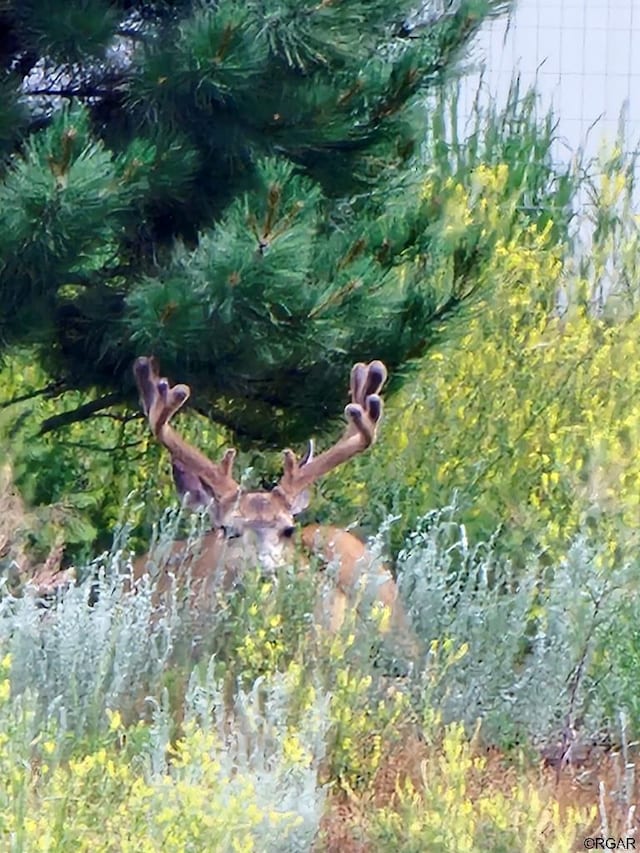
(115, 720)
(5, 690)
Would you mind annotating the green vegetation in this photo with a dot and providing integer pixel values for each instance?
(228, 185)
(115, 738)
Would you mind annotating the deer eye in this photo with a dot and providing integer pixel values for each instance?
(288, 532)
(230, 531)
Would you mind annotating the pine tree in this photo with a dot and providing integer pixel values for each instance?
(232, 185)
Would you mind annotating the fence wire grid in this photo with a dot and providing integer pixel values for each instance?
(583, 56)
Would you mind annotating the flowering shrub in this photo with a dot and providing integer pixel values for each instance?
(531, 412)
(443, 812)
(523, 649)
(96, 755)
(364, 722)
(135, 790)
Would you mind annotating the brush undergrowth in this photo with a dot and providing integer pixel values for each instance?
(119, 733)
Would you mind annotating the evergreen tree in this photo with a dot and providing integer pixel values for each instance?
(233, 186)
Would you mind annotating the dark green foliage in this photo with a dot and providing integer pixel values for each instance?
(223, 184)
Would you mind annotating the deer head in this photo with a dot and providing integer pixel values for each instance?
(264, 521)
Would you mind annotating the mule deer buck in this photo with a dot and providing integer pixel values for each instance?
(257, 528)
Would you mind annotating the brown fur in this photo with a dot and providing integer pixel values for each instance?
(218, 563)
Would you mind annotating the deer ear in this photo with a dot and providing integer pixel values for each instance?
(300, 502)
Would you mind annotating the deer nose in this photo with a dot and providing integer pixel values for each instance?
(268, 567)
(262, 551)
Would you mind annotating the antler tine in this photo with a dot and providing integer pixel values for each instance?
(194, 474)
(363, 415)
(159, 400)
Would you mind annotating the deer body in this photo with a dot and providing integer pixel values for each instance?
(217, 564)
(258, 528)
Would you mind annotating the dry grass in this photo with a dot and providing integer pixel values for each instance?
(14, 522)
(17, 564)
(599, 780)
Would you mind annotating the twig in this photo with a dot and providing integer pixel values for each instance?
(575, 680)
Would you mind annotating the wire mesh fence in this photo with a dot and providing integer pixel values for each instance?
(583, 57)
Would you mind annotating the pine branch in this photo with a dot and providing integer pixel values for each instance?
(58, 386)
(97, 448)
(72, 92)
(82, 413)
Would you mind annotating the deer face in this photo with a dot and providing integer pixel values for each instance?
(263, 524)
(259, 524)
